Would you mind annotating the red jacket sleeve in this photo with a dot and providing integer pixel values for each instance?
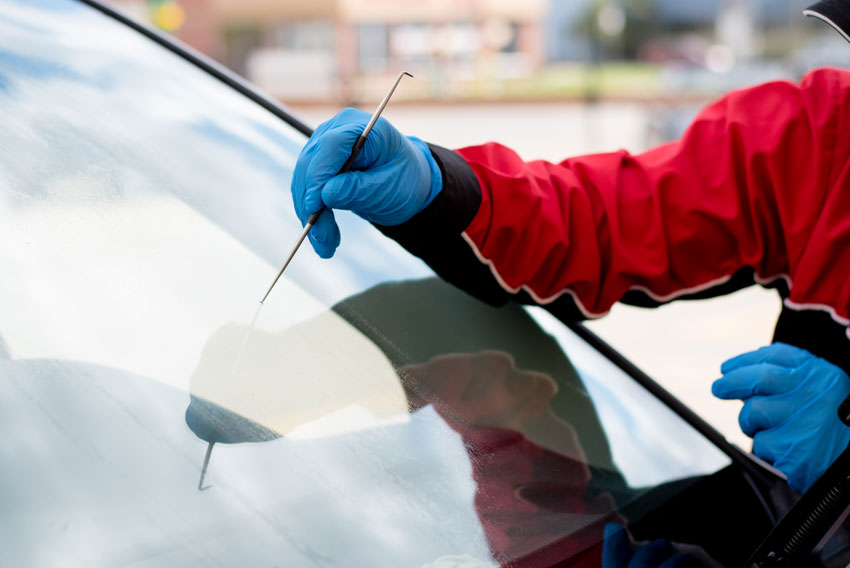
(758, 185)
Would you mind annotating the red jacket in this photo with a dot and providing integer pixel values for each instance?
(756, 191)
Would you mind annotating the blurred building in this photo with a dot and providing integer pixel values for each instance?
(348, 50)
(341, 48)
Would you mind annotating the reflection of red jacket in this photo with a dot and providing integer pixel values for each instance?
(533, 503)
(757, 190)
(533, 498)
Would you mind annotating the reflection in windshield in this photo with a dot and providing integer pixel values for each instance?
(418, 323)
(532, 479)
(545, 483)
(144, 208)
(118, 159)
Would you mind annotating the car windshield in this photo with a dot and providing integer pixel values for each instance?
(367, 414)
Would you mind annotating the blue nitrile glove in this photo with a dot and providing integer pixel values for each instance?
(393, 178)
(618, 551)
(791, 401)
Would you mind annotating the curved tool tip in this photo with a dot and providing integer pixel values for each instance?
(201, 486)
(407, 73)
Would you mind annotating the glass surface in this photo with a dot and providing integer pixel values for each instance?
(367, 415)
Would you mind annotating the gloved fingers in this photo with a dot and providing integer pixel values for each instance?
(324, 235)
(352, 191)
(308, 202)
(811, 442)
(652, 554)
(770, 445)
(764, 412)
(382, 143)
(347, 114)
(348, 118)
(617, 546)
(617, 550)
(777, 354)
(298, 186)
(332, 150)
(800, 473)
(371, 194)
(758, 379)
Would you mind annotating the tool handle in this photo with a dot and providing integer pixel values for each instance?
(355, 151)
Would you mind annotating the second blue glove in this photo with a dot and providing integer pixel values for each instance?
(393, 178)
(618, 551)
(791, 401)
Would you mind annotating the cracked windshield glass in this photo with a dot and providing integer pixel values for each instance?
(367, 414)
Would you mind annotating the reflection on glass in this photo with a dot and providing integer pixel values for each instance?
(544, 480)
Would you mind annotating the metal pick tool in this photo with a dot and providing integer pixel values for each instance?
(204, 468)
(345, 167)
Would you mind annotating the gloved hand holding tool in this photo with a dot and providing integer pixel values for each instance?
(330, 154)
(392, 179)
(791, 401)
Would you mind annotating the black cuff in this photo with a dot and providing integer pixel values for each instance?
(816, 332)
(451, 211)
(434, 234)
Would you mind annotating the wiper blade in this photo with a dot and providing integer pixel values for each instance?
(809, 520)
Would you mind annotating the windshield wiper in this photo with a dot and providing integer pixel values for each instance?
(810, 519)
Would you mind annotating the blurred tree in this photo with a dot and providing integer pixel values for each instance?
(618, 28)
(640, 27)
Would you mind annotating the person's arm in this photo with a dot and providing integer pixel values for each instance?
(756, 189)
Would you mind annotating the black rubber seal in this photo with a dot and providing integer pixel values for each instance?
(836, 13)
